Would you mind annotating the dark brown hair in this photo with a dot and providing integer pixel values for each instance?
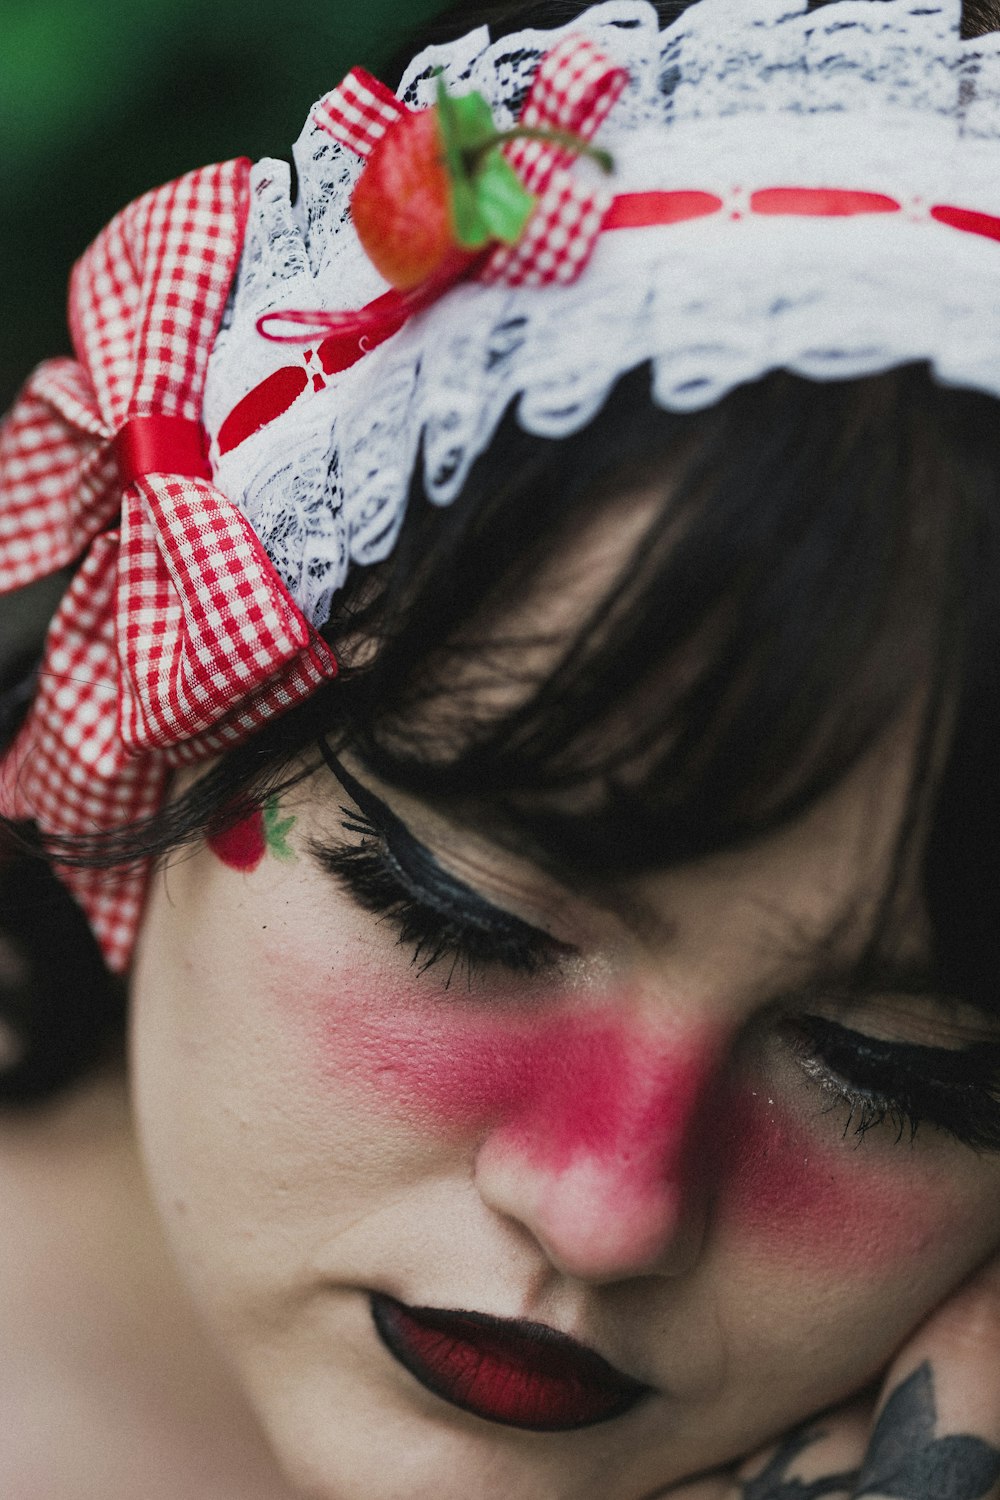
(819, 557)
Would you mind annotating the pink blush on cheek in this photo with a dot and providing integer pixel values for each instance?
(841, 1204)
(557, 1087)
(563, 1087)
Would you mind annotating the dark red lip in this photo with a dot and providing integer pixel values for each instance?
(515, 1373)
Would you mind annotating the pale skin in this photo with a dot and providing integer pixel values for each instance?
(685, 1290)
(191, 1282)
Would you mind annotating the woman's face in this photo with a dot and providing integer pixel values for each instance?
(627, 1114)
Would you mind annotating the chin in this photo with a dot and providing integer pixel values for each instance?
(340, 1436)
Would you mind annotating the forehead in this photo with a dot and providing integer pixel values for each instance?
(815, 893)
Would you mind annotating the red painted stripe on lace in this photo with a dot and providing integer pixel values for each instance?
(272, 398)
(967, 220)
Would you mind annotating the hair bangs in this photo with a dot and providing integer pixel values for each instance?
(789, 599)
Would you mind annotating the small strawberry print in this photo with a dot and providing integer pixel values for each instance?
(263, 831)
(276, 831)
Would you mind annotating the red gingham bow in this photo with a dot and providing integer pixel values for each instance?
(575, 89)
(176, 639)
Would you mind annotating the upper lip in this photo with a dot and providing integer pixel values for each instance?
(506, 1370)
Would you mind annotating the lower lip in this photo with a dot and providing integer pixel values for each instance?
(529, 1380)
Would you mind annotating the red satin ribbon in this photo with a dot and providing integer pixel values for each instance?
(162, 445)
(654, 209)
(821, 203)
(262, 405)
(345, 339)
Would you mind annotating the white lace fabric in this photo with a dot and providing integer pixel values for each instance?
(736, 96)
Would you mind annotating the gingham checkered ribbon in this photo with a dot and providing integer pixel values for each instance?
(575, 89)
(175, 639)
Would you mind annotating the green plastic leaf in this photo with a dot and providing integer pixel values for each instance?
(458, 118)
(488, 200)
(473, 121)
(504, 203)
(471, 229)
(448, 124)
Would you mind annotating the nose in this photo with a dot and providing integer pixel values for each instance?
(604, 1162)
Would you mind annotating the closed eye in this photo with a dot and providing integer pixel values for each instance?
(445, 921)
(956, 1090)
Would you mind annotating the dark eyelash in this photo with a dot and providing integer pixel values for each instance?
(906, 1086)
(473, 936)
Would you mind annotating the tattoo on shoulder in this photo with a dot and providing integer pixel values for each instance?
(775, 1482)
(905, 1459)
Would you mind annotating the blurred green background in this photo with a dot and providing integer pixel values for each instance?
(102, 99)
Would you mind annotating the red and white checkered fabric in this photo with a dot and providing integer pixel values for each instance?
(175, 638)
(575, 89)
(560, 239)
(359, 112)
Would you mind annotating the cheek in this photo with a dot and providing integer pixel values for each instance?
(558, 1085)
(862, 1208)
(561, 1086)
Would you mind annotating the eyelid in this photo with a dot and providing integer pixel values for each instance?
(881, 1082)
(841, 995)
(426, 880)
(945, 1068)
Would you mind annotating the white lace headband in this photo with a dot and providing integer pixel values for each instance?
(818, 192)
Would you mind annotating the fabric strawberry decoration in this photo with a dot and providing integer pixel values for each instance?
(437, 190)
(439, 200)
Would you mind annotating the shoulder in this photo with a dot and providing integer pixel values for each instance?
(63, 1184)
(107, 1386)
